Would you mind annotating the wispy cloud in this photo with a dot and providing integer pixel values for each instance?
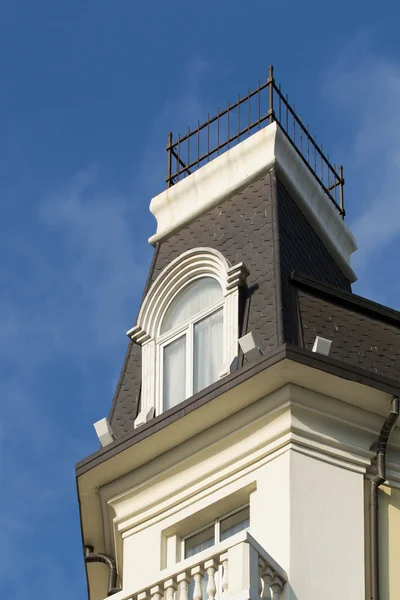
(72, 272)
(98, 231)
(77, 258)
(178, 112)
(364, 85)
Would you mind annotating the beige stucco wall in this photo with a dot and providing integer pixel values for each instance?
(389, 541)
(277, 455)
(298, 457)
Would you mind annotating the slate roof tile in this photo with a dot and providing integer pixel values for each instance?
(263, 227)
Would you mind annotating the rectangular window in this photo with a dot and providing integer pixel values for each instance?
(208, 350)
(221, 529)
(234, 523)
(174, 368)
(200, 541)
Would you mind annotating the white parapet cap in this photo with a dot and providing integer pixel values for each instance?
(234, 170)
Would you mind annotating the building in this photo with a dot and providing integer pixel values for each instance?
(239, 458)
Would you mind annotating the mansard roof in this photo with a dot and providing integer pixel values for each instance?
(364, 334)
(263, 227)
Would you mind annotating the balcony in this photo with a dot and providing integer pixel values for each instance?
(236, 568)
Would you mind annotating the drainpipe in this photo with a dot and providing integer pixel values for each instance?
(90, 557)
(376, 482)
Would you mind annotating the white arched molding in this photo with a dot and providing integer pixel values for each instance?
(189, 266)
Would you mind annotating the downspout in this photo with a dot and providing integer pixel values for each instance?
(376, 482)
(90, 557)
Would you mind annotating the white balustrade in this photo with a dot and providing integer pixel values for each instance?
(198, 575)
(211, 567)
(238, 565)
(225, 575)
(183, 580)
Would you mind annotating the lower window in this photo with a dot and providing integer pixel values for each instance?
(221, 529)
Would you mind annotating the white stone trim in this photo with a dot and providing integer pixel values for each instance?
(234, 170)
(295, 422)
(189, 266)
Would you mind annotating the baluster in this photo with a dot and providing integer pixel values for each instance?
(197, 573)
(276, 586)
(224, 563)
(170, 589)
(144, 595)
(156, 592)
(267, 577)
(183, 580)
(261, 567)
(211, 567)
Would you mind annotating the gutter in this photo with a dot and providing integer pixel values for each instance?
(376, 482)
(90, 557)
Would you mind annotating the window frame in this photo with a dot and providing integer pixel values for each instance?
(186, 328)
(217, 528)
(183, 270)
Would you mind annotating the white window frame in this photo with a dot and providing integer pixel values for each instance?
(217, 528)
(189, 266)
(183, 329)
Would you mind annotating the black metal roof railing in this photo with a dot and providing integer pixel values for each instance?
(247, 115)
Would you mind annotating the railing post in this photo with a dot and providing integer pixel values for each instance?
(243, 570)
(271, 94)
(211, 568)
(266, 575)
(225, 574)
(170, 589)
(156, 592)
(169, 148)
(183, 581)
(341, 185)
(276, 586)
(198, 574)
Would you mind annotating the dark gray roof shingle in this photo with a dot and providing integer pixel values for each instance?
(263, 227)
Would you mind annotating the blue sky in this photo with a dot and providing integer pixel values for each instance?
(89, 91)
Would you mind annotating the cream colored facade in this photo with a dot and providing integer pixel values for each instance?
(299, 456)
(293, 441)
(389, 541)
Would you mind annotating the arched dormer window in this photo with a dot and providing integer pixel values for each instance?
(191, 341)
(188, 329)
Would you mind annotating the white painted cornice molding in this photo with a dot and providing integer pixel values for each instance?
(189, 266)
(234, 170)
(295, 423)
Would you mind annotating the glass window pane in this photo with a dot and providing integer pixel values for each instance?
(208, 350)
(199, 541)
(235, 523)
(174, 373)
(193, 299)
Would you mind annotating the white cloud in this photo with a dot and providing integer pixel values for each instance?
(78, 258)
(97, 230)
(73, 274)
(179, 112)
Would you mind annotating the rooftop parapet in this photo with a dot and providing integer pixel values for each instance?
(250, 113)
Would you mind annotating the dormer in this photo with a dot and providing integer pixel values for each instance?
(187, 328)
(244, 208)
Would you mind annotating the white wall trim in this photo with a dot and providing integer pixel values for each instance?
(291, 422)
(234, 170)
(285, 427)
(189, 266)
